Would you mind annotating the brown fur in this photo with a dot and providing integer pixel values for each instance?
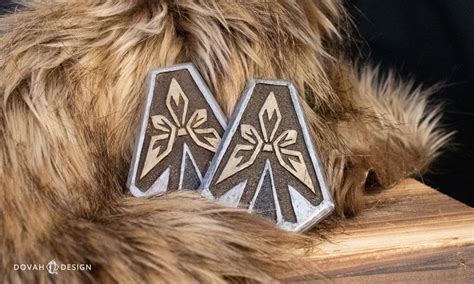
(72, 83)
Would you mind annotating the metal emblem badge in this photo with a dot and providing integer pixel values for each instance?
(267, 161)
(181, 128)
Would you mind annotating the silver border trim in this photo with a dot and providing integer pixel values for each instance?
(146, 113)
(327, 205)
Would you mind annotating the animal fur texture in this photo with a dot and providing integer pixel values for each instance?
(72, 86)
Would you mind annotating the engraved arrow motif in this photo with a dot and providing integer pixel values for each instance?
(161, 144)
(270, 119)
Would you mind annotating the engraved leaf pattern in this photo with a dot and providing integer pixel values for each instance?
(207, 138)
(198, 118)
(235, 164)
(161, 144)
(287, 138)
(270, 119)
(293, 162)
(249, 133)
(177, 103)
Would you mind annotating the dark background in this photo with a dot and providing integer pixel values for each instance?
(429, 41)
(6, 6)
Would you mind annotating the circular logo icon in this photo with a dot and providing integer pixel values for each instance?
(52, 267)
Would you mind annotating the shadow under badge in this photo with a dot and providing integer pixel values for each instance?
(267, 161)
(181, 127)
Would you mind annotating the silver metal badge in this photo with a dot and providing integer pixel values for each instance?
(181, 128)
(267, 161)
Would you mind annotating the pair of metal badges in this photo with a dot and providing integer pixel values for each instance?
(263, 159)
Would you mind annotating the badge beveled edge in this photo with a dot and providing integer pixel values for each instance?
(211, 101)
(326, 206)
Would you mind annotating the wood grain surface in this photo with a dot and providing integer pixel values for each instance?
(408, 234)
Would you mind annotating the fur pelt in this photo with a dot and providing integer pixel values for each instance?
(72, 86)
